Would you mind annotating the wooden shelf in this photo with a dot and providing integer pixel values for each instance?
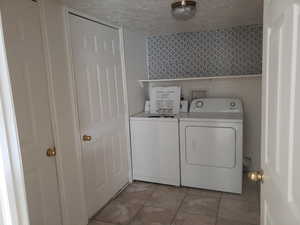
(142, 82)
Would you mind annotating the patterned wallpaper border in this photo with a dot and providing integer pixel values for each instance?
(230, 51)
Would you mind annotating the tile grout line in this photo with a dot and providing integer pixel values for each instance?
(115, 198)
(143, 206)
(176, 213)
(132, 219)
(219, 205)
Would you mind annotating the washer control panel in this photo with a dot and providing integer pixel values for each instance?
(215, 105)
(199, 104)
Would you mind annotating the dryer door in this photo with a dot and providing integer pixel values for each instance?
(210, 146)
(211, 155)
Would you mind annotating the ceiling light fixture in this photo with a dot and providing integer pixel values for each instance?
(184, 9)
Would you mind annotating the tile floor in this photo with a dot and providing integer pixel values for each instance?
(153, 204)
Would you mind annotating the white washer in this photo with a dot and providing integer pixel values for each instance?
(155, 148)
(211, 145)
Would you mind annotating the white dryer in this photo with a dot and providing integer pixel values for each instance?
(211, 145)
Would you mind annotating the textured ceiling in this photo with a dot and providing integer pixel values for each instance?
(154, 17)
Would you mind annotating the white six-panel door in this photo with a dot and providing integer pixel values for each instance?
(280, 195)
(24, 46)
(101, 109)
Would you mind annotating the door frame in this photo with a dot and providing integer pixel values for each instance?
(71, 74)
(64, 212)
(52, 106)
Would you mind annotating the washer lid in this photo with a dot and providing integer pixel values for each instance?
(156, 117)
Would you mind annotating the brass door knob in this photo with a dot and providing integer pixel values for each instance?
(51, 152)
(256, 176)
(86, 138)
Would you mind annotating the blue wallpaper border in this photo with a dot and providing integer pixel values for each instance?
(221, 52)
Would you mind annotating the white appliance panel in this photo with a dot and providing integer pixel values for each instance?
(211, 154)
(216, 105)
(211, 146)
(155, 150)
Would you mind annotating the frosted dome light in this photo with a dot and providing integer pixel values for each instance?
(183, 10)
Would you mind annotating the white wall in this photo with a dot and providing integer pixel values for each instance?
(68, 152)
(135, 60)
(249, 91)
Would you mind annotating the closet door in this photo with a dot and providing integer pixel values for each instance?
(101, 109)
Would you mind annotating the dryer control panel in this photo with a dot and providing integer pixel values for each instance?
(216, 105)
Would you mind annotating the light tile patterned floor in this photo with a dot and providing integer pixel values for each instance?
(152, 204)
